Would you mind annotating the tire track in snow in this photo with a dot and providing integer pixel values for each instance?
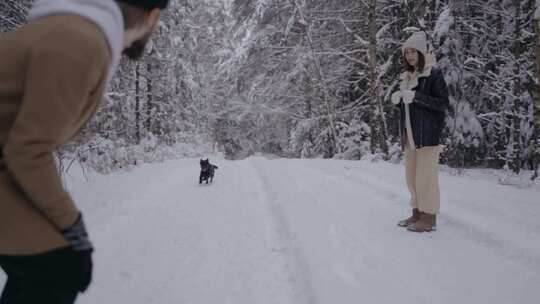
(352, 264)
(356, 251)
(480, 236)
(490, 240)
(462, 198)
(298, 269)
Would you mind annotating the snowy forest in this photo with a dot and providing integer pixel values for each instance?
(313, 78)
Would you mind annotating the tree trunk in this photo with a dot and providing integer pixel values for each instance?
(536, 113)
(137, 104)
(149, 104)
(517, 141)
(308, 88)
(536, 24)
(379, 139)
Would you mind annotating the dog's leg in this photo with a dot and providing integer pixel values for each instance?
(200, 178)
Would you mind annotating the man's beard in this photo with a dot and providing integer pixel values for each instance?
(136, 49)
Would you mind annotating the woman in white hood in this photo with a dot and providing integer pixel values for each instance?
(422, 100)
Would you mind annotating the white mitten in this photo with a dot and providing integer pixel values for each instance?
(396, 97)
(408, 96)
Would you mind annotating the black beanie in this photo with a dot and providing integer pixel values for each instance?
(148, 4)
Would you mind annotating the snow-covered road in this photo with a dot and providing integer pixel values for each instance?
(305, 232)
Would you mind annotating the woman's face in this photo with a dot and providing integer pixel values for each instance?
(411, 55)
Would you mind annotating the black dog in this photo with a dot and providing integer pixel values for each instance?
(207, 171)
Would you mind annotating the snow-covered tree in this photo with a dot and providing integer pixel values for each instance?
(13, 13)
(313, 78)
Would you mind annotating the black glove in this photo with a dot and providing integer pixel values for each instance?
(77, 236)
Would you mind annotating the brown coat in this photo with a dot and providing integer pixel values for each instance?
(53, 74)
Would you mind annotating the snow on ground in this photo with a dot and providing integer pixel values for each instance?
(305, 231)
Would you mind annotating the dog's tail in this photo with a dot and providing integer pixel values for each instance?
(215, 167)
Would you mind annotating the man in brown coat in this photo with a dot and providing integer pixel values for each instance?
(53, 73)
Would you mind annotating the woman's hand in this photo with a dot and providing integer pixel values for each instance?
(408, 96)
(396, 97)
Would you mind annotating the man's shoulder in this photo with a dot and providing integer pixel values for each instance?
(73, 35)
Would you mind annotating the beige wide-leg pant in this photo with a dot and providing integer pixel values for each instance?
(422, 175)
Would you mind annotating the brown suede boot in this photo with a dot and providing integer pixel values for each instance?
(412, 219)
(427, 223)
